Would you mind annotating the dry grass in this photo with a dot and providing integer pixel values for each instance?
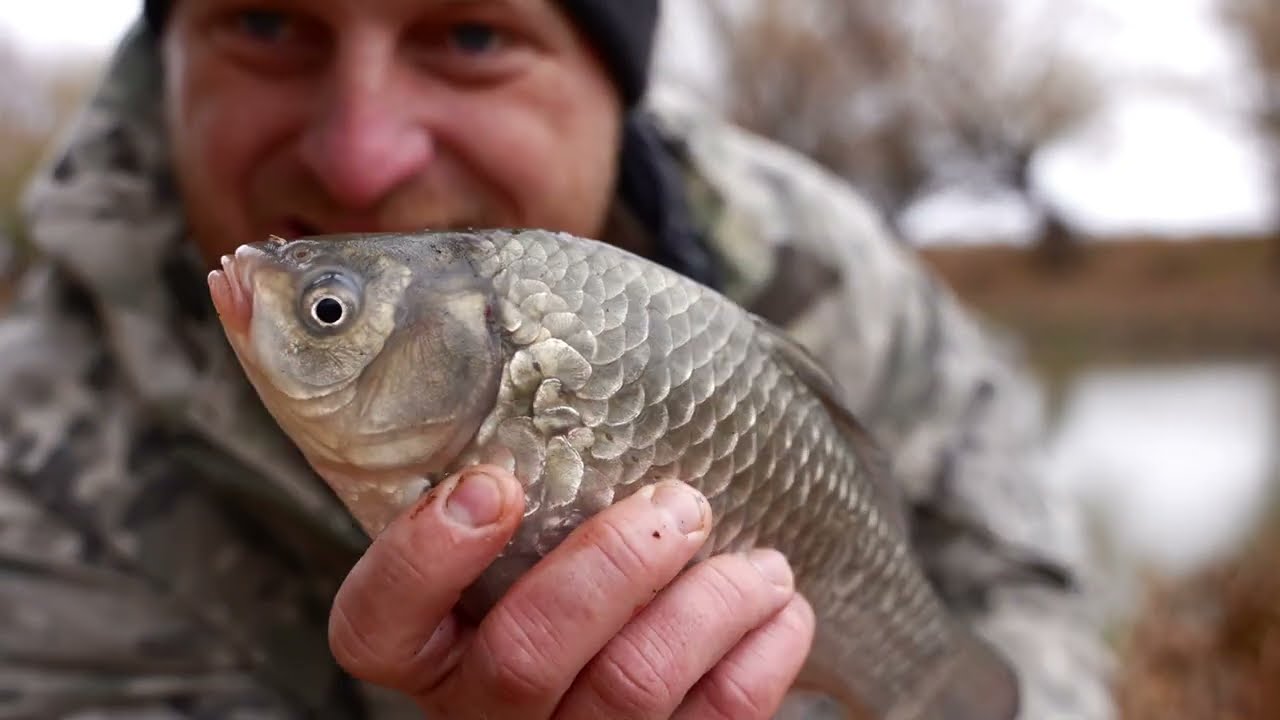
(39, 99)
(1127, 300)
(1209, 647)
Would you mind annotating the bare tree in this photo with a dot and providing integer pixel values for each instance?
(999, 102)
(900, 96)
(1258, 22)
(793, 67)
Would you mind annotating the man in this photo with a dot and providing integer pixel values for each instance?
(168, 555)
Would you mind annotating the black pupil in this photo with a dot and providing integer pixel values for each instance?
(263, 24)
(474, 37)
(329, 311)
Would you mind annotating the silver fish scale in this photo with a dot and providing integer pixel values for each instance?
(619, 373)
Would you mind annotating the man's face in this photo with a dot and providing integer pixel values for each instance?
(299, 117)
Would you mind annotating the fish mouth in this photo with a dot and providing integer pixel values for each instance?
(232, 287)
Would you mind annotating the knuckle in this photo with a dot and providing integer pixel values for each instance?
(730, 583)
(521, 647)
(359, 624)
(621, 555)
(634, 677)
(794, 625)
(730, 698)
(349, 643)
(799, 617)
(519, 679)
(401, 560)
(751, 683)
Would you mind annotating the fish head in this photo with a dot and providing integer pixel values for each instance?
(375, 354)
(306, 318)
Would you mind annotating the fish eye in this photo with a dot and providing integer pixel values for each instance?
(328, 310)
(329, 302)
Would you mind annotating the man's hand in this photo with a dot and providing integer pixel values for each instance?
(605, 626)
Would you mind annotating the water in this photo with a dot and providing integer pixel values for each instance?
(1174, 464)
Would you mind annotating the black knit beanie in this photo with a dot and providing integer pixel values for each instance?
(622, 31)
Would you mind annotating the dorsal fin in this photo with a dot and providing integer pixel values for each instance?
(869, 453)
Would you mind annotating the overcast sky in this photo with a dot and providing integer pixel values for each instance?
(59, 26)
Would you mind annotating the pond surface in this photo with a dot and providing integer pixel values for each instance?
(1174, 464)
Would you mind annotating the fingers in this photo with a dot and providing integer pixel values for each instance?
(600, 602)
(751, 682)
(536, 640)
(647, 669)
(400, 594)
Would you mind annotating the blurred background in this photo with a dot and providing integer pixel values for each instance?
(1099, 178)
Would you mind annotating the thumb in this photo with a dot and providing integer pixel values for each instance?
(392, 622)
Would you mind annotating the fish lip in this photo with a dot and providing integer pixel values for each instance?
(233, 286)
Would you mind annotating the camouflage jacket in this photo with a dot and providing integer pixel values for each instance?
(165, 553)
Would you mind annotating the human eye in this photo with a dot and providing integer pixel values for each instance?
(266, 37)
(269, 26)
(475, 38)
(470, 49)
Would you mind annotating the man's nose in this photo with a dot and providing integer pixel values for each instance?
(363, 141)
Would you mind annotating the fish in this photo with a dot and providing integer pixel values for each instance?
(392, 360)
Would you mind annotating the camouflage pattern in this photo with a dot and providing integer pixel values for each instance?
(165, 552)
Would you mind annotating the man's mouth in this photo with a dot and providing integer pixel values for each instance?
(296, 226)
